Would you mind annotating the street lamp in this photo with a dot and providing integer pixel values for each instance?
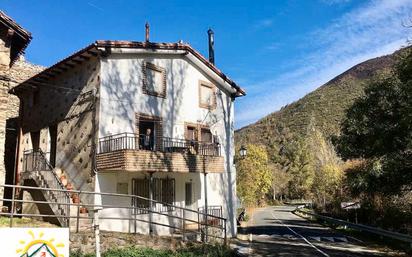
(242, 152)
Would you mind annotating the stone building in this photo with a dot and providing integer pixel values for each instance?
(13, 70)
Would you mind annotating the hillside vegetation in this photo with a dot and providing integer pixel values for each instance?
(325, 107)
(349, 140)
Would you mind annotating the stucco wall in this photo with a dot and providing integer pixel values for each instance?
(68, 102)
(122, 97)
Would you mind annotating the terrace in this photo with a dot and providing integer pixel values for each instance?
(137, 152)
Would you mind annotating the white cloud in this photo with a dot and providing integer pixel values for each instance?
(371, 30)
(265, 23)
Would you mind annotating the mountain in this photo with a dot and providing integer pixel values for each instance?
(324, 107)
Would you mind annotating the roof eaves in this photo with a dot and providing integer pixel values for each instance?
(51, 68)
(172, 46)
(24, 34)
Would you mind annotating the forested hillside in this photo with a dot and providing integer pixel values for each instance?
(349, 140)
(324, 107)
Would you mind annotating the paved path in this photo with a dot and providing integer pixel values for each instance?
(276, 231)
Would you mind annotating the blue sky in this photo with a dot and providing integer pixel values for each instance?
(277, 50)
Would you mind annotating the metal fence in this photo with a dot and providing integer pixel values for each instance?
(131, 141)
(181, 216)
(214, 210)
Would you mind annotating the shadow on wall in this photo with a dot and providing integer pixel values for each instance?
(121, 101)
(66, 101)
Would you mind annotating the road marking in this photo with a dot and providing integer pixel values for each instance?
(299, 235)
(316, 238)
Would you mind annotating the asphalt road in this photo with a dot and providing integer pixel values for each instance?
(276, 231)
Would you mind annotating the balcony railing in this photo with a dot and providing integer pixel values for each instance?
(131, 141)
(215, 211)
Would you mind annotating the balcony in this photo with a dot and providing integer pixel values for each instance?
(130, 152)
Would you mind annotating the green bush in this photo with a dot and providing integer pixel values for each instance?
(189, 251)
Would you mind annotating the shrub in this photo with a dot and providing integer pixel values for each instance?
(189, 251)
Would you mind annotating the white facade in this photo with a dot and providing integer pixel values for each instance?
(121, 98)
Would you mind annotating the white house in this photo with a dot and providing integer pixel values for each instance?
(139, 118)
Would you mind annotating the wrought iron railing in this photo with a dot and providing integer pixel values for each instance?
(209, 217)
(131, 141)
(37, 167)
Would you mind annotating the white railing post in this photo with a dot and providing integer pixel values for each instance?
(97, 232)
(12, 206)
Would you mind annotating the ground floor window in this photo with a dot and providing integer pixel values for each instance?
(164, 191)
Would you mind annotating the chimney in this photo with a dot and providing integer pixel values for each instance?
(211, 46)
(147, 32)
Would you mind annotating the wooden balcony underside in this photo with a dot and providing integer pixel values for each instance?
(151, 161)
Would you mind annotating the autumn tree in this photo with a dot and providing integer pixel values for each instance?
(280, 181)
(254, 178)
(378, 128)
(328, 173)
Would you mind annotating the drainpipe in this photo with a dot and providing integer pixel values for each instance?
(19, 142)
(206, 229)
(151, 203)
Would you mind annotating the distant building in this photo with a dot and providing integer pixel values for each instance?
(142, 118)
(13, 70)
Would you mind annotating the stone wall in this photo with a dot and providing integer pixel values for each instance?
(9, 109)
(4, 49)
(85, 241)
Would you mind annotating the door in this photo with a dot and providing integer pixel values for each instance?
(188, 195)
(52, 145)
(190, 203)
(191, 136)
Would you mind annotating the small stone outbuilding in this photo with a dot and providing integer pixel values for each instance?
(13, 70)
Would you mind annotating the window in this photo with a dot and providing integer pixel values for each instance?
(206, 135)
(207, 98)
(122, 188)
(188, 194)
(149, 141)
(163, 191)
(154, 80)
(141, 188)
(191, 133)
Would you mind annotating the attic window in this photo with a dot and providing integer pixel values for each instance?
(207, 97)
(154, 80)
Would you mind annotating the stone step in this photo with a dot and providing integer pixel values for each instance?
(84, 224)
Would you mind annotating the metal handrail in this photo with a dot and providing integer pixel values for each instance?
(107, 194)
(360, 227)
(131, 141)
(46, 172)
(184, 219)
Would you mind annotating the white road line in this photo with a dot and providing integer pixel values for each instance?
(299, 235)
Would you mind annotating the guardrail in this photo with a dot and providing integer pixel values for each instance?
(359, 227)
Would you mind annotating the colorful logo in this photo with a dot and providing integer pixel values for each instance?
(39, 247)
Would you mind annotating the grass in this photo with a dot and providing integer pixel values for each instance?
(24, 222)
(189, 251)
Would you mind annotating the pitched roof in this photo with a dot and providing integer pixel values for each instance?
(21, 37)
(95, 49)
